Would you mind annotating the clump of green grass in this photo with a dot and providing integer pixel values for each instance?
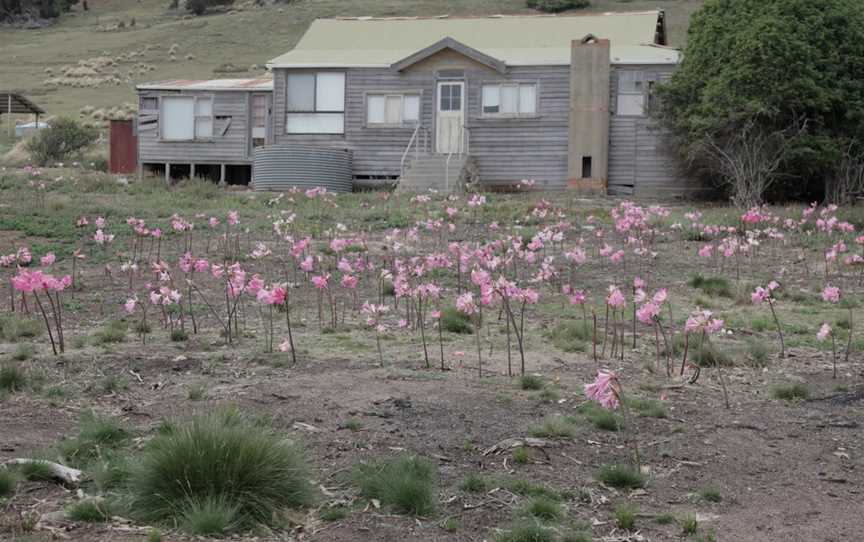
(23, 352)
(689, 524)
(14, 328)
(111, 333)
(196, 392)
(352, 424)
(549, 395)
(581, 535)
(758, 353)
(211, 515)
(649, 408)
(408, 483)
(36, 471)
(664, 519)
(555, 426)
(475, 483)
(333, 513)
(523, 487)
(154, 536)
(760, 324)
(791, 392)
(570, 336)
(543, 509)
(179, 335)
(454, 321)
(521, 455)
(625, 517)
(531, 382)
(600, 417)
(528, 530)
(703, 353)
(113, 384)
(89, 511)
(12, 378)
(712, 286)
(8, 481)
(96, 436)
(451, 525)
(711, 494)
(621, 476)
(222, 460)
(111, 472)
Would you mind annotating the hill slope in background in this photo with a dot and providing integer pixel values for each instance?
(94, 58)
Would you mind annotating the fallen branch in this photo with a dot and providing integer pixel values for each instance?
(510, 443)
(65, 474)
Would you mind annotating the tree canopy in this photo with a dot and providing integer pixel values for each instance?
(778, 66)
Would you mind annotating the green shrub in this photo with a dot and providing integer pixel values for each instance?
(408, 483)
(12, 378)
(96, 435)
(531, 382)
(8, 481)
(63, 139)
(621, 476)
(554, 427)
(790, 392)
(712, 286)
(557, 6)
(625, 517)
(89, 510)
(222, 458)
(570, 336)
(454, 321)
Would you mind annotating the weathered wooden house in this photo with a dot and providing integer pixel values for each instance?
(432, 102)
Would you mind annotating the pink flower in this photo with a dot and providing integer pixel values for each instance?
(216, 270)
(824, 332)
(615, 299)
(100, 222)
(604, 390)
(705, 251)
(285, 346)
(660, 296)
(130, 304)
(831, 294)
(48, 259)
(320, 281)
(82, 221)
(578, 297)
(307, 264)
(213, 222)
(435, 315)
(638, 283)
(233, 218)
(349, 281)
(648, 312)
(201, 265)
(465, 303)
(760, 295)
(773, 285)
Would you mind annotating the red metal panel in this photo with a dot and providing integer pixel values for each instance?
(124, 148)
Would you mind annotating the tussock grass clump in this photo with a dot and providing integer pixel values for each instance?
(521, 455)
(14, 328)
(454, 321)
(408, 483)
(12, 378)
(196, 392)
(600, 417)
(531, 382)
(528, 530)
(36, 471)
(113, 332)
(791, 392)
(758, 353)
(649, 408)
(664, 519)
(570, 336)
(523, 487)
(112, 472)
(621, 476)
(625, 517)
(8, 481)
(96, 436)
(543, 509)
(333, 513)
(213, 515)
(179, 335)
(556, 426)
(711, 494)
(703, 353)
(712, 286)
(23, 352)
(89, 511)
(689, 524)
(475, 483)
(217, 462)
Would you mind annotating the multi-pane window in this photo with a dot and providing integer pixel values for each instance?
(186, 118)
(392, 109)
(450, 97)
(316, 103)
(509, 99)
(631, 93)
(148, 103)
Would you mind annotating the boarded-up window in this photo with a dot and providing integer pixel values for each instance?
(392, 109)
(316, 103)
(631, 93)
(509, 99)
(148, 103)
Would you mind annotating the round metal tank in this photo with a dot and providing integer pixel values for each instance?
(280, 167)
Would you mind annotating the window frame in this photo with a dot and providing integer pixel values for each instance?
(195, 117)
(517, 83)
(315, 111)
(648, 85)
(402, 94)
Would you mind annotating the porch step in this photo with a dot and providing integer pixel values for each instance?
(430, 172)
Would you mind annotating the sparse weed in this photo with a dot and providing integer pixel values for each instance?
(621, 476)
(89, 511)
(12, 378)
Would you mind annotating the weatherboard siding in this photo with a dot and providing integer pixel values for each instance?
(231, 148)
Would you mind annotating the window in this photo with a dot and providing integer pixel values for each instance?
(510, 99)
(450, 97)
(631, 93)
(186, 118)
(586, 167)
(259, 120)
(316, 103)
(392, 109)
(148, 103)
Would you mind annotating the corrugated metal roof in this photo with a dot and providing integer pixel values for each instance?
(260, 84)
(516, 40)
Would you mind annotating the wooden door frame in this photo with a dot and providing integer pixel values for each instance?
(437, 111)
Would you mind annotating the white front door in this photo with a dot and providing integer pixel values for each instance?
(450, 117)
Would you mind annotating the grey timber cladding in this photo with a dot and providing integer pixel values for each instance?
(230, 110)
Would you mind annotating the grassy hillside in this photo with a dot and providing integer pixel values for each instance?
(249, 36)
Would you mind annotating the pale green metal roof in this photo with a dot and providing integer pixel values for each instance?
(517, 40)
